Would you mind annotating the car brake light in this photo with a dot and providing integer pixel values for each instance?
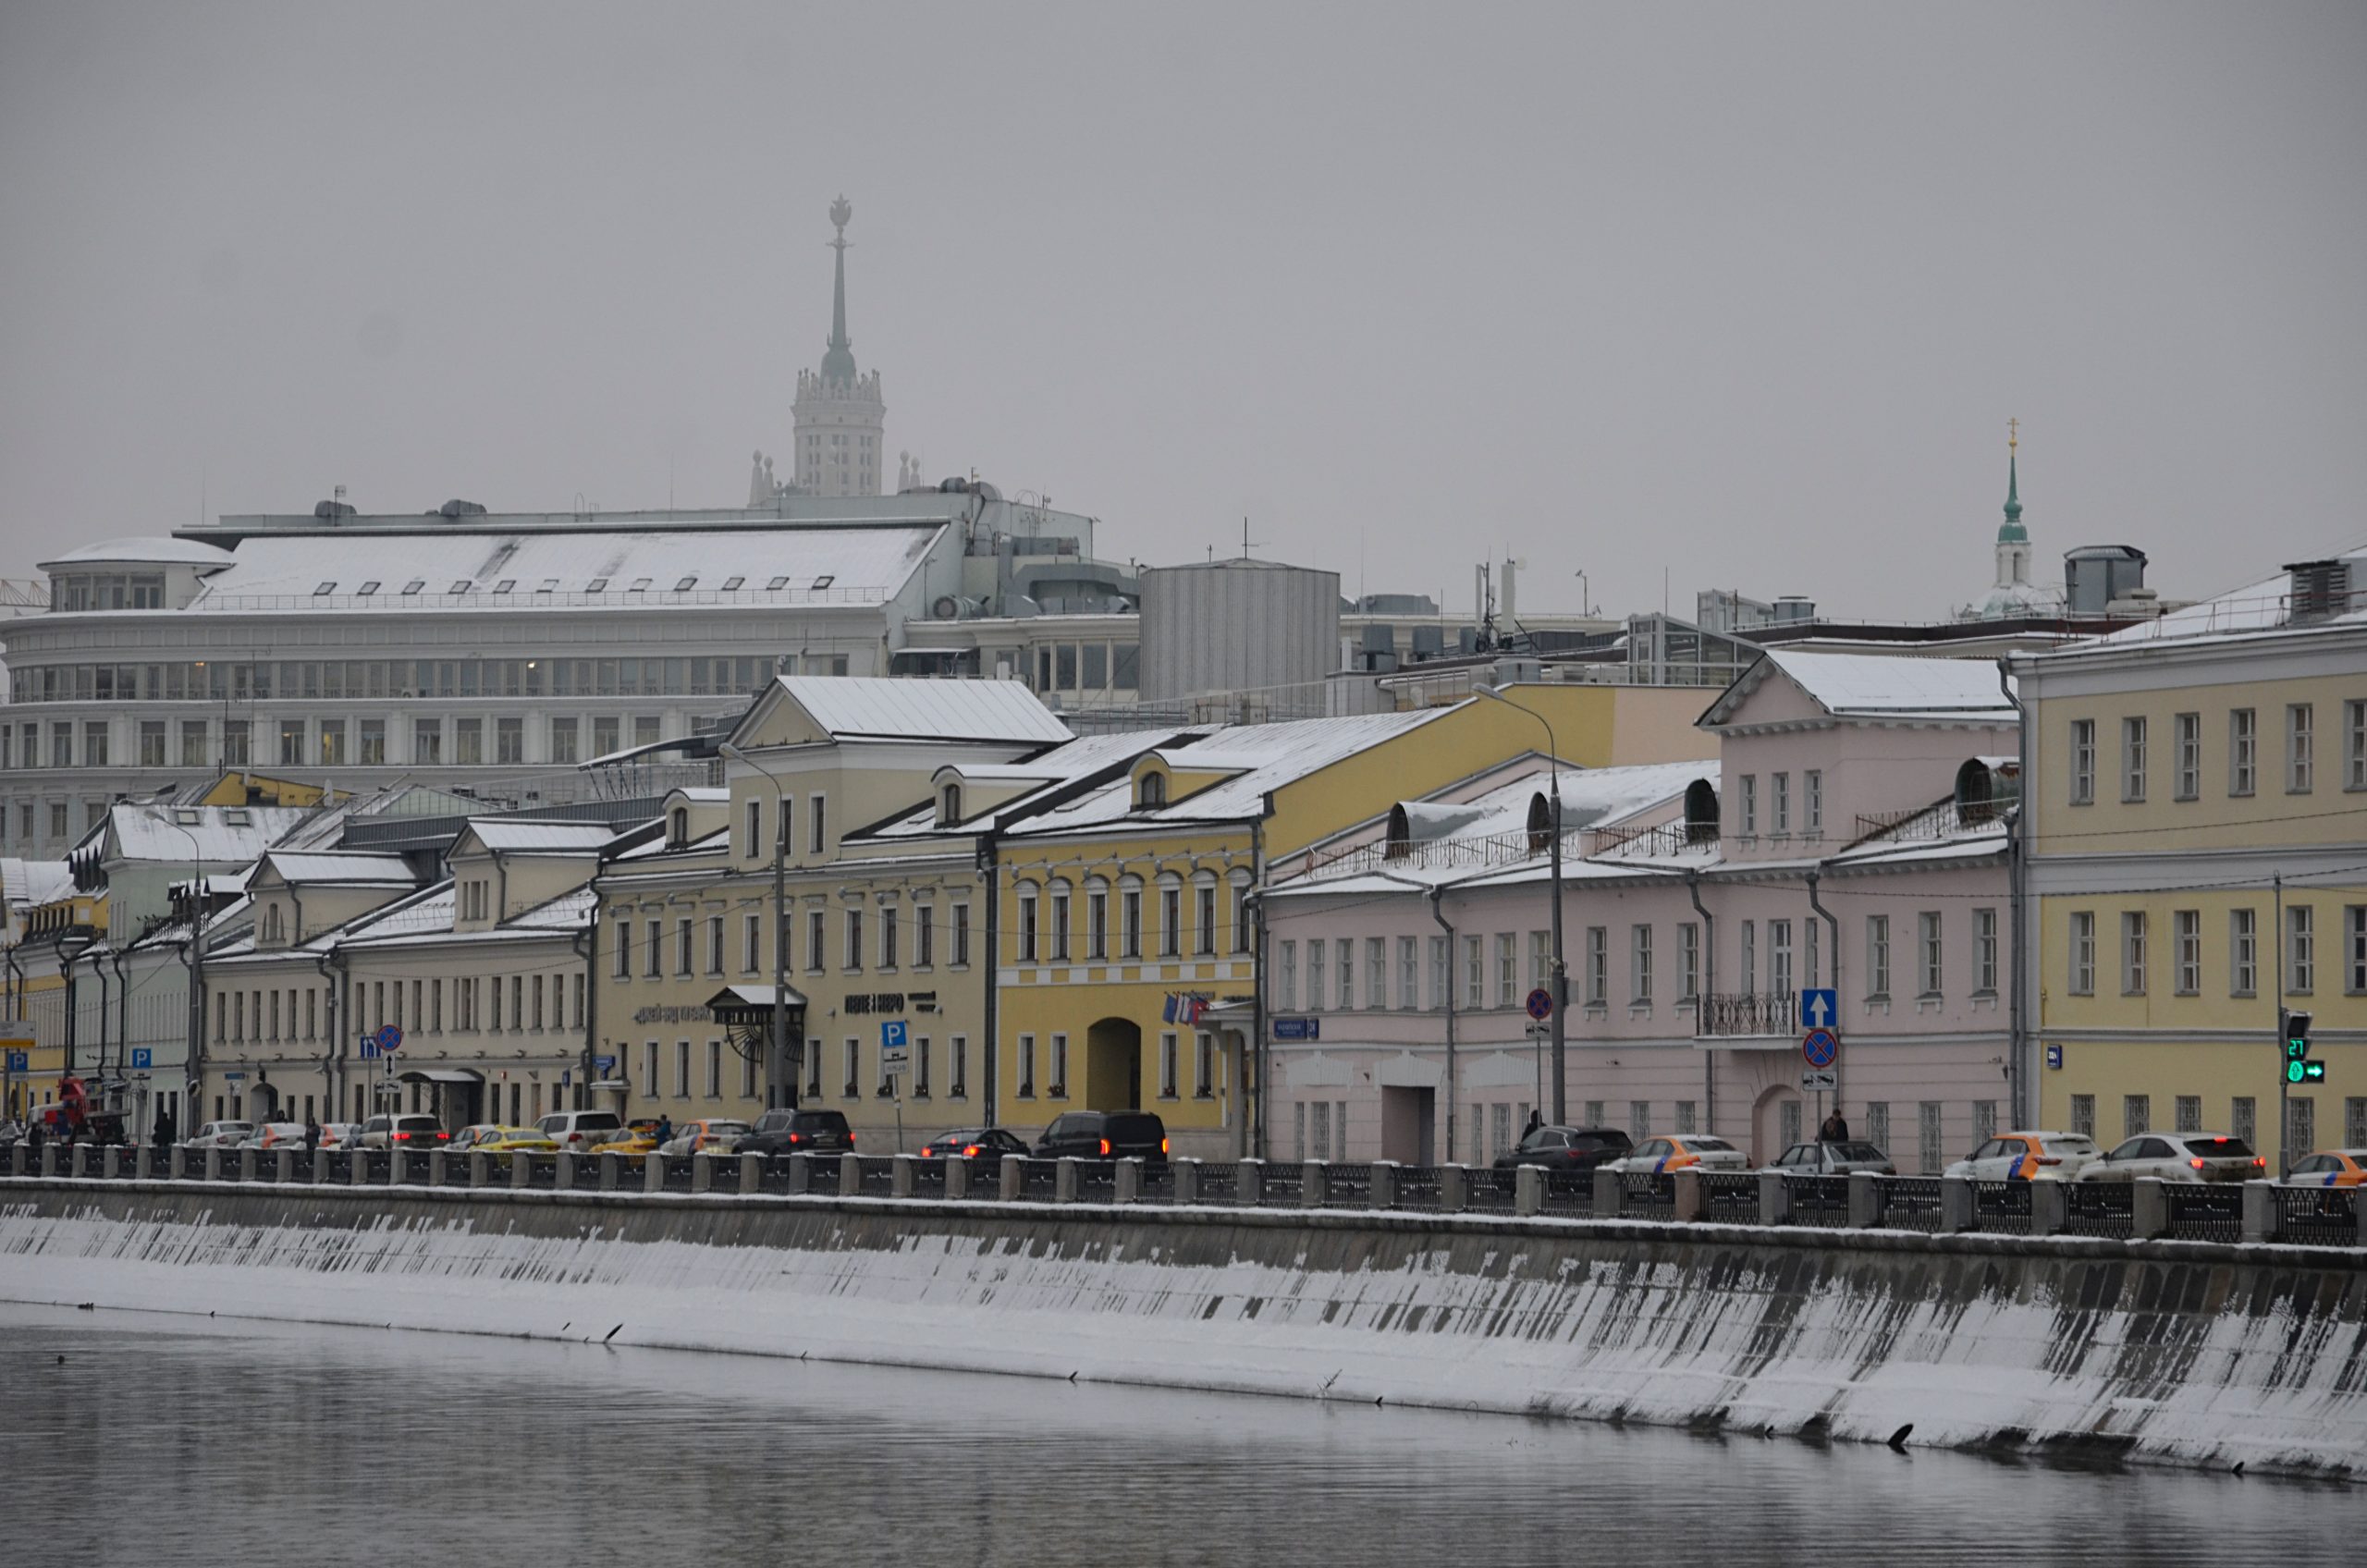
(402, 1137)
(1162, 1145)
(2197, 1163)
(2261, 1163)
(970, 1153)
(796, 1137)
(850, 1140)
(1105, 1145)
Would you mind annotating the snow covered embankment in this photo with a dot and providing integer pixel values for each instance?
(2193, 1354)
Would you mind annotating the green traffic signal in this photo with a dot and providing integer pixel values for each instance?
(2296, 1046)
(2296, 1070)
(2313, 1072)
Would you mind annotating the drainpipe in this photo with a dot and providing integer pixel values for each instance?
(123, 1026)
(1253, 1114)
(99, 1064)
(16, 994)
(2019, 1046)
(1833, 941)
(194, 1053)
(1436, 893)
(989, 1078)
(586, 944)
(333, 1047)
(1701, 1003)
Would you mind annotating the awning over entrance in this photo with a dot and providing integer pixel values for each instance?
(440, 1075)
(750, 1007)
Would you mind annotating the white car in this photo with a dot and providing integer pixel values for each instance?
(2029, 1156)
(2178, 1156)
(576, 1132)
(219, 1135)
(1696, 1151)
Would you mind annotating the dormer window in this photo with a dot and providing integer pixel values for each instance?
(949, 803)
(187, 816)
(325, 588)
(235, 817)
(685, 585)
(369, 588)
(679, 830)
(1153, 792)
(640, 586)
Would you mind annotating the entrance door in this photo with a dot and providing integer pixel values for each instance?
(1113, 1065)
(1408, 1125)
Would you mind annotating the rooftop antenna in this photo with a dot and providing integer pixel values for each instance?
(1246, 541)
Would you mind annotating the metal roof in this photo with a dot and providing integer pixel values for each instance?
(854, 707)
(549, 838)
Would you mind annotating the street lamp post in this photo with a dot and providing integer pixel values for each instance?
(1561, 987)
(778, 1093)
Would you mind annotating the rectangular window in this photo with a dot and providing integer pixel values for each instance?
(1318, 976)
(816, 824)
(1409, 973)
(1927, 926)
(1639, 1120)
(1599, 965)
(1059, 906)
(924, 935)
(816, 920)
(2243, 952)
(2083, 1115)
(2187, 925)
(2189, 738)
(1749, 804)
(1130, 915)
(2243, 1119)
(813, 1069)
(566, 745)
(1441, 975)
(961, 935)
(1812, 803)
(1170, 922)
(1284, 997)
(2084, 953)
(1984, 1121)
(1168, 1064)
(372, 749)
(2354, 1123)
(752, 943)
(1204, 902)
(890, 938)
(1808, 953)
(1540, 958)
(852, 1088)
(2354, 954)
(1507, 970)
(751, 830)
(2243, 750)
(1985, 952)
(1058, 1071)
(1779, 957)
(654, 949)
(957, 1068)
(509, 740)
(2354, 752)
(1878, 1124)
(682, 944)
(2083, 762)
(2300, 749)
(2132, 952)
(1640, 956)
(855, 939)
(715, 944)
(1474, 975)
(1241, 920)
(714, 1070)
(683, 1070)
(2188, 1112)
(1097, 924)
(1375, 973)
(1688, 961)
(1203, 1066)
(1027, 1067)
(1347, 949)
(151, 742)
(1779, 802)
(2135, 1115)
(1932, 1153)
(2132, 759)
(2300, 949)
(1877, 956)
(920, 1067)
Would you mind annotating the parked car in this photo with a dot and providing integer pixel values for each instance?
(415, 1130)
(706, 1135)
(1682, 1151)
(2330, 1168)
(783, 1132)
(516, 1140)
(1833, 1159)
(2178, 1156)
(1567, 1148)
(1104, 1135)
(468, 1137)
(639, 1138)
(2029, 1156)
(219, 1135)
(340, 1134)
(973, 1143)
(281, 1135)
(572, 1129)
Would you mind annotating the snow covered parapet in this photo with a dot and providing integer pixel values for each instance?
(2196, 1353)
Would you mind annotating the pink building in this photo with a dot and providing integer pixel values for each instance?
(1849, 837)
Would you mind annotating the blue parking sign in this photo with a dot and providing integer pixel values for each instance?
(143, 1059)
(20, 1061)
(892, 1034)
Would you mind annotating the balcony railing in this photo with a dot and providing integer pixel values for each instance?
(1747, 1013)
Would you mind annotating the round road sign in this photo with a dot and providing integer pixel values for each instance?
(1821, 1047)
(1541, 1004)
(389, 1037)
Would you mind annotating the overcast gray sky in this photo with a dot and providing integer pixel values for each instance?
(1746, 293)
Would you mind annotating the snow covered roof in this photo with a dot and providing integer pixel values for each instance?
(1057, 769)
(814, 567)
(859, 706)
(151, 550)
(2265, 606)
(299, 866)
(30, 882)
(178, 835)
(507, 836)
(1880, 686)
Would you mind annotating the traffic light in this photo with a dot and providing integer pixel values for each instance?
(2299, 1068)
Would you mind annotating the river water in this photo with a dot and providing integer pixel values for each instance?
(150, 1438)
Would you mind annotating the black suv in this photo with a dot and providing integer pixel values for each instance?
(1567, 1148)
(798, 1131)
(1104, 1134)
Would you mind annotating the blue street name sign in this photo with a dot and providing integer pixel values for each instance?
(143, 1057)
(604, 1064)
(2054, 1056)
(1298, 1028)
(1821, 1008)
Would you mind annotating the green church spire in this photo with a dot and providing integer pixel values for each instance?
(2013, 532)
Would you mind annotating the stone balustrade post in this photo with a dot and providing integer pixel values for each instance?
(653, 1173)
(480, 1167)
(849, 1175)
(801, 1174)
(1454, 1188)
(1384, 1183)
(1692, 1202)
(356, 1173)
(1955, 1204)
(1774, 1199)
(439, 1167)
(752, 1174)
(143, 1163)
(213, 1164)
(612, 1167)
(957, 1177)
(2050, 1207)
(1013, 1180)
(521, 1169)
(1129, 1187)
(1249, 1182)
(1609, 1193)
(702, 1172)
(111, 1162)
(1187, 1181)
(1528, 1189)
(1314, 1185)
(563, 1169)
(2260, 1211)
(2148, 1208)
(1065, 1180)
(20, 1160)
(1865, 1201)
(901, 1175)
(78, 1160)
(249, 1161)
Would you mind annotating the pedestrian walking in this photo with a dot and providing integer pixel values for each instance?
(163, 1132)
(1834, 1130)
(312, 1134)
(664, 1133)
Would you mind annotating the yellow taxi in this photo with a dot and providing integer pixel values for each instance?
(514, 1140)
(641, 1137)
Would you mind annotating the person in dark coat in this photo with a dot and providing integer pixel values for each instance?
(312, 1134)
(163, 1132)
(1834, 1130)
(665, 1132)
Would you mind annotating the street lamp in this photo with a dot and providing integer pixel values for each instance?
(1560, 985)
(776, 1091)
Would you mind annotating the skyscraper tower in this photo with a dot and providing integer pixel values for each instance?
(841, 420)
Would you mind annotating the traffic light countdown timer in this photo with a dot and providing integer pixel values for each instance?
(2299, 1068)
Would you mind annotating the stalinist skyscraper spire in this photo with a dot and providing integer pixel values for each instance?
(841, 419)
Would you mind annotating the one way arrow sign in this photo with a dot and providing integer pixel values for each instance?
(1819, 1008)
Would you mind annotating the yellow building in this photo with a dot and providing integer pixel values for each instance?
(1125, 928)
(2195, 836)
(54, 923)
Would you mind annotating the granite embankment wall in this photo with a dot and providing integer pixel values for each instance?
(2185, 1352)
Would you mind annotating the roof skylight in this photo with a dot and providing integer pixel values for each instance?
(415, 586)
(823, 581)
(640, 586)
(685, 585)
(597, 585)
(550, 585)
(506, 585)
(777, 584)
(370, 587)
(463, 585)
(325, 588)
(732, 583)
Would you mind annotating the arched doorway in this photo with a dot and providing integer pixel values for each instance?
(1113, 1065)
(1775, 1124)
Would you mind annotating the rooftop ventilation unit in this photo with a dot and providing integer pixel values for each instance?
(2321, 590)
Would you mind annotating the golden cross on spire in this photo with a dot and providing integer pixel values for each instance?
(2013, 433)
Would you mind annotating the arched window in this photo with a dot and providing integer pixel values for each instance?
(949, 803)
(679, 830)
(1030, 931)
(1153, 792)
